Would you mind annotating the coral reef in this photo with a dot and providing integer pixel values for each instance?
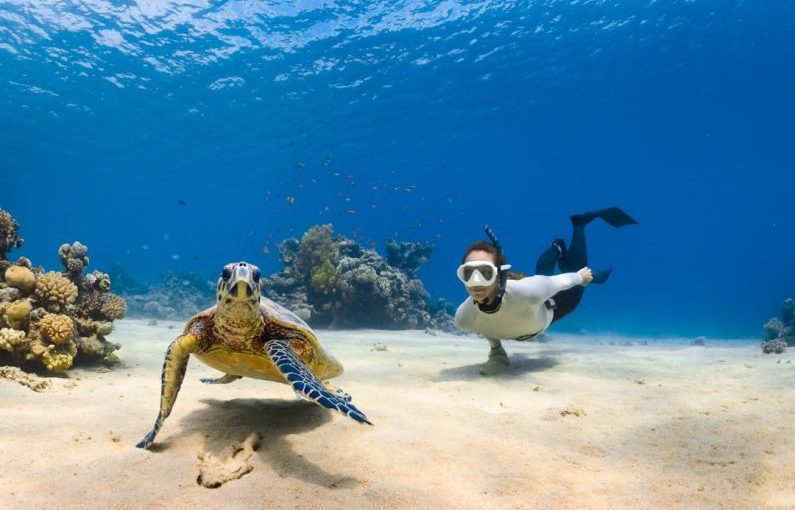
(8, 234)
(17, 313)
(408, 256)
(331, 281)
(176, 296)
(74, 258)
(774, 346)
(54, 319)
(20, 277)
(124, 283)
(55, 291)
(780, 333)
(56, 328)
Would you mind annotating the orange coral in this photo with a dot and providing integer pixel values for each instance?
(57, 329)
(55, 291)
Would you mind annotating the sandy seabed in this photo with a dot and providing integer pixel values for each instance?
(578, 422)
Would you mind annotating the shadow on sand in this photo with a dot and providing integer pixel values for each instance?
(227, 422)
(520, 365)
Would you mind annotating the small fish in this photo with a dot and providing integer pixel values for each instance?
(175, 256)
(289, 199)
(351, 211)
(182, 202)
(166, 237)
(144, 246)
(300, 164)
(327, 161)
(185, 282)
(266, 250)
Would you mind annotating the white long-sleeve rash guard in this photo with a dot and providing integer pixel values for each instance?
(522, 312)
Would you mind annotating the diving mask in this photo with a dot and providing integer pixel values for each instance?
(479, 273)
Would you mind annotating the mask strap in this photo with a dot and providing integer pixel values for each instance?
(502, 274)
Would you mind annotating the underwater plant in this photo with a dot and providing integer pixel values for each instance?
(53, 319)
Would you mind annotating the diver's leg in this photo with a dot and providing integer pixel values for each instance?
(498, 359)
(566, 301)
(576, 257)
(545, 265)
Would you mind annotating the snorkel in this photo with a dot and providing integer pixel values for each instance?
(502, 275)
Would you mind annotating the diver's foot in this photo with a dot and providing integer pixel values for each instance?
(498, 360)
(601, 276)
(613, 216)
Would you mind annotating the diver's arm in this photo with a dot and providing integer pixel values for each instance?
(539, 288)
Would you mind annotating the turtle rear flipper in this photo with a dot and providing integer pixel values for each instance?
(306, 385)
(225, 379)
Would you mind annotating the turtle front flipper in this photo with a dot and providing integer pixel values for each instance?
(225, 379)
(174, 367)
(304, 382)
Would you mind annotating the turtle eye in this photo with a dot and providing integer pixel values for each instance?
(255, 275)
(226, 274)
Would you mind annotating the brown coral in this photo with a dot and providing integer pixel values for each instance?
(20, 277)
(57, 329)
(88, 327)
(17, 313)
(113, 307)
(55, 291)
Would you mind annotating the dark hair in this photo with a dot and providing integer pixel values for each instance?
(498, 256)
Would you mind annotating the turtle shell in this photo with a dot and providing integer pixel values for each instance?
(251, 359)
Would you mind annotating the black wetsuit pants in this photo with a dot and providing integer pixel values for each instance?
(568, 260)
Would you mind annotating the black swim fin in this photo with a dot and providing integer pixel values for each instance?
(601, 276)
(613, 216)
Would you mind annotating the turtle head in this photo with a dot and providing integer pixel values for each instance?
(239, 283)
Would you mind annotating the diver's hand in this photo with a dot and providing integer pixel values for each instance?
(587, 275)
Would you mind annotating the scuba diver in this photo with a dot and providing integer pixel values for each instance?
(509, 306)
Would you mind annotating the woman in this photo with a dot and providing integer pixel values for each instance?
(520, 309)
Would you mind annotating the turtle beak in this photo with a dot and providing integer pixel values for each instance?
(241, 285)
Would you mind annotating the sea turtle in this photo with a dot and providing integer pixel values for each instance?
(246, 335)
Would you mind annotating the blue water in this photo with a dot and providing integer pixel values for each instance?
(416, 121)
